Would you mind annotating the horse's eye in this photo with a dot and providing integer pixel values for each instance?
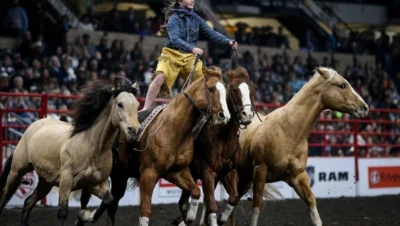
(211, 89)
(120, 105)
(342, 86)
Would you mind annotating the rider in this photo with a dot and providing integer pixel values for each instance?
(182, 27)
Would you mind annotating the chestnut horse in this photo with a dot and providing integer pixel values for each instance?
(277, 148)
(166, 147)
(217, 149)
(74, 156)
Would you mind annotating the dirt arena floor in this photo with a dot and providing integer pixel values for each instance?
(383, 210)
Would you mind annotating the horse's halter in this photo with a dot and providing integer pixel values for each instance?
(237, 110)
(210, 107)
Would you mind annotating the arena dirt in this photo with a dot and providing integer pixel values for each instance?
(383, 210)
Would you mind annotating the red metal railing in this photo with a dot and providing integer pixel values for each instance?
(376, 116)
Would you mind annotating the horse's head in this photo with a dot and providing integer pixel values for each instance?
(240, 95)
(125, 107)
(337, 94)
(210, 97)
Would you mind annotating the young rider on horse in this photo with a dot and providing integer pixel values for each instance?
(182, 27)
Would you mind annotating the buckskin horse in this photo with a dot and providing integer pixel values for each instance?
(74, 156)
(166, 147)
(277, 148)
(217, 148)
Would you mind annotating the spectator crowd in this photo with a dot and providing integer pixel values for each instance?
(39, 67)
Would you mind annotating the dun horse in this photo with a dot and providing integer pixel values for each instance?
(217, 149)
(277, 148)
(74, 156)
(167, 147)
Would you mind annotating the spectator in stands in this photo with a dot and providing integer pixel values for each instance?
(179, 15)
(90, 47)
(4, 86)
(56, 71)
(112, 22)
(85, 24)
(92, 18)
(80, 49)
(17, 20)
(128, 22)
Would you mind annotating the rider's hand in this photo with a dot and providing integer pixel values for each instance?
(197, 51)
(234, 44)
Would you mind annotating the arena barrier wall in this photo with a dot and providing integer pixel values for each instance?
(330, 177)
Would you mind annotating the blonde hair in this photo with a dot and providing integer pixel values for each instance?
(168, 11)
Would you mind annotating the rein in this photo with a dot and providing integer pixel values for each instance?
(234, 61)
(187, 83)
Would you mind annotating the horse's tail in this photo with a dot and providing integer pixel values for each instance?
(134, 183)
(269, 191)
(5, 172)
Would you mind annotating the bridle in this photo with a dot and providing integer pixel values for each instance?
(210, 108)
(236, 110)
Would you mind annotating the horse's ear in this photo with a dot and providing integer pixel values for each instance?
(135, 85)
(117, 83)
(205, 71)
(323, 72)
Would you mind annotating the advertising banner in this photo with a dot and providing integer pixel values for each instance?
(379, 176)
(331, 177)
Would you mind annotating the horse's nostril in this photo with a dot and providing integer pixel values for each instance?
(133, 130)
(221, 115)
(365, 107)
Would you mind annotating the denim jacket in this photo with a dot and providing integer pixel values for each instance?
(184, 28)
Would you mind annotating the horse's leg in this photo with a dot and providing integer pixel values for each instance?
(204, 209)
(301, 185)
(209, 177)
(230, 184)
(259, 177)
(184, 180)
(183, 207)
(13, 181)
(148, 180)
(66, 183)
(41, 190)
(85, 197)
(18, 165)
(102, 191)
(243, 187)
(118, 191)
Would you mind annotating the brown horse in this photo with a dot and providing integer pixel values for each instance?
(277, 148)
(217, 148)
(74, 156)
(169, 151)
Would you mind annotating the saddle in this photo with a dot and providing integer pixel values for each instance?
(145, 117)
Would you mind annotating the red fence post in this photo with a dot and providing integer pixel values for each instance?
(1, 141)
(43, 114)
(356, 148)
(43, 106)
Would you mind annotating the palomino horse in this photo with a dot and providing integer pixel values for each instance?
(74, 156)
(277, 148)
(166, 147)
(217, 149)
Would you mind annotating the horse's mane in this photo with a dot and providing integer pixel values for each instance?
(238, 72)
(213, 71)
(96, 95)
(330, 70)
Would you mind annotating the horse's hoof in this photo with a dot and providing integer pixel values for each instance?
(108, 198)
(176, 221)
(79, 223)
(86, 215)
